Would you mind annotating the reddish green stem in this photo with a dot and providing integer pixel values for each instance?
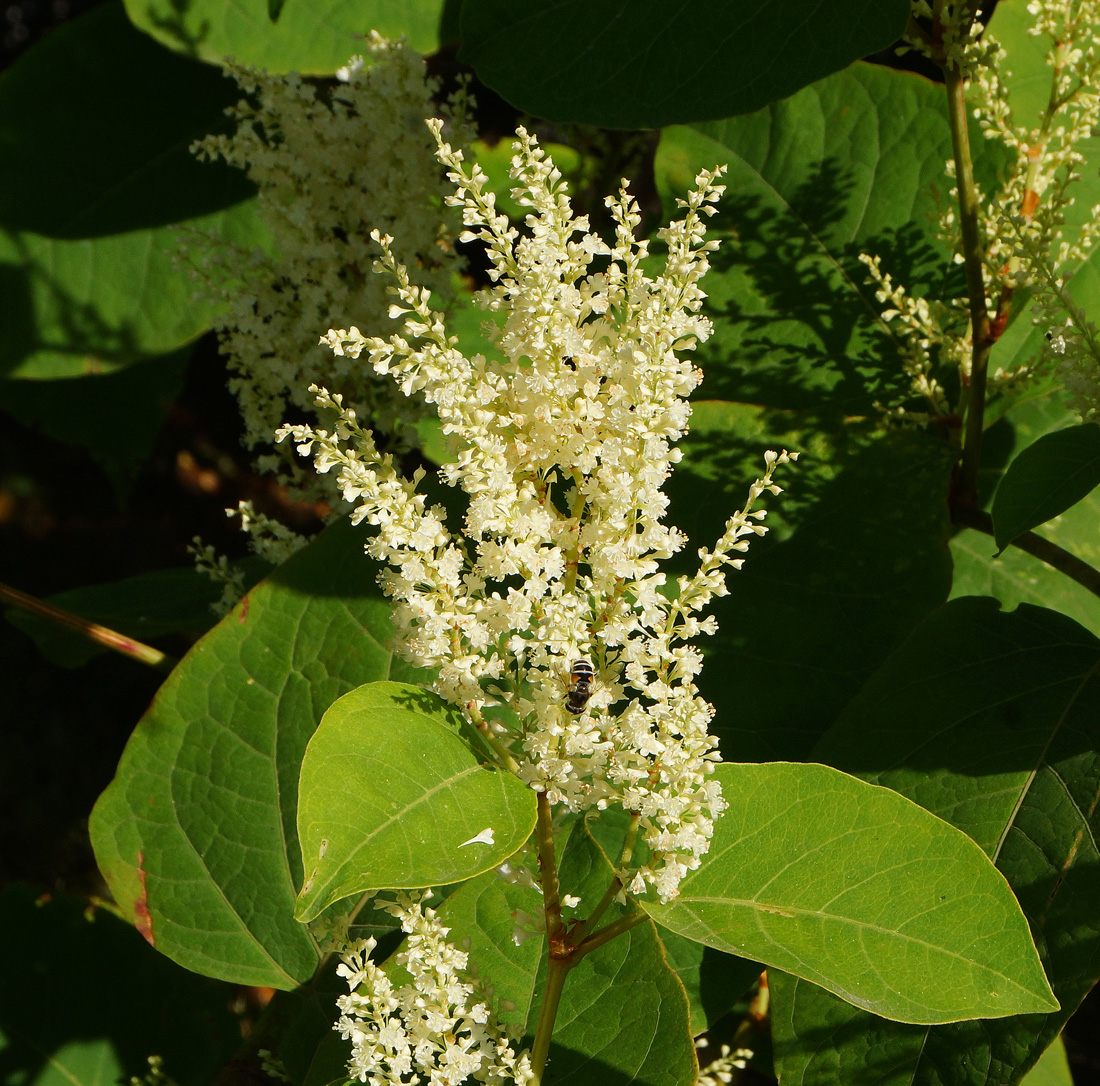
(101, 635)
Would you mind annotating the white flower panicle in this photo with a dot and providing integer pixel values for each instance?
(1026, 246)
(566, 442)
(1073, 342)
(331, 164)
(1033, 200)
(927, 335)
(217, 568)
(435, 1028)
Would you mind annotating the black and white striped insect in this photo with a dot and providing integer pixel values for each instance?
(581, 678)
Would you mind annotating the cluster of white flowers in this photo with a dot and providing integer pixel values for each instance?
(436, 1027)
(565, 443)
(1025, 244)
(1074, 342)
(1022, 223)
(1048, 157)
(155, 1076)
(331, 162)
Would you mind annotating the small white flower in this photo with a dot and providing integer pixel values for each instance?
(720, 1069)
(350, 70)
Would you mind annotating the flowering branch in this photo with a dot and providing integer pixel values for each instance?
(549, 597)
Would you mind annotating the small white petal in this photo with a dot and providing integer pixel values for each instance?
(483, 838)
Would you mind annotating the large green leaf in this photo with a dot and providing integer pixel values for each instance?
(862, 892)
(643, 64)
(1047, 478)
(988, 719)
(196, 834)
(714, 981)
(393, 797)
(87, 264)
(850, 164)
(808, 620)
(84, 1002)
(308, 36)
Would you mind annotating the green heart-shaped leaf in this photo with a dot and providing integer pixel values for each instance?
(393, 797)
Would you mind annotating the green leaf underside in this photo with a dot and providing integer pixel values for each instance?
(87, 256)
(196, 834)
(642, 64)
(1016, 577)
(852, 164)
(862, 892)
(988, 719)
(391, 796)
(1047, 478)
(314, 37)
(110, 1025)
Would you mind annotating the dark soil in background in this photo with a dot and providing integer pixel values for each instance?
(63, 526)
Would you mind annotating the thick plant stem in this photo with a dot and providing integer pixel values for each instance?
(548, 872)
(111, 639)
(556, 973)
(972, 252)
(1054, 556)
(560, 958)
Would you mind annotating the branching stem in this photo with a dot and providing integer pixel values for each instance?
(606, 934)
(616, 886)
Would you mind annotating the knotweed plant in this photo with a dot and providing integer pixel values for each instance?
(566, 440)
